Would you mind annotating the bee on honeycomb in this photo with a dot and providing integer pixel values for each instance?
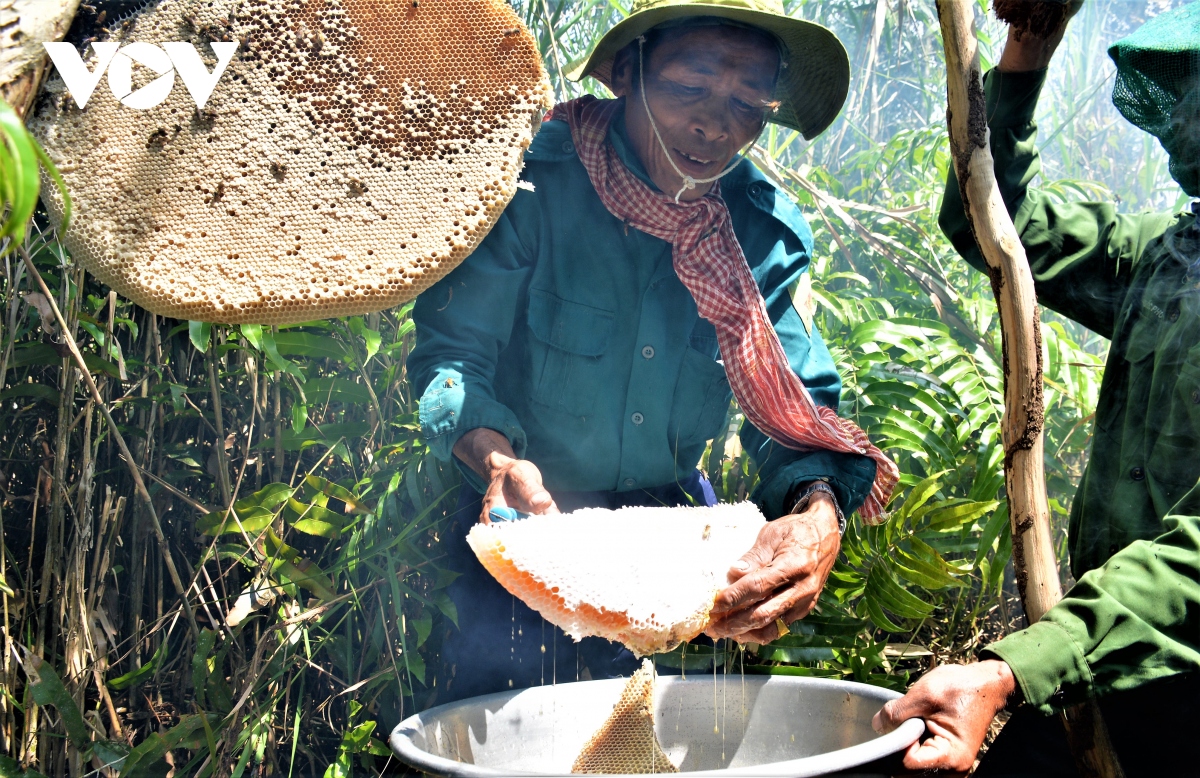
(352, 154)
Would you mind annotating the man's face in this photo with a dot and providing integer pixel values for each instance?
(709, 89)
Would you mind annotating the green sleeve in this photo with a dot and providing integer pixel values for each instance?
(463, 324)
(1081, 254)
(1129, 622)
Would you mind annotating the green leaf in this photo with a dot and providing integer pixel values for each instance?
(110, 753)
(307, 344)
(271, 349)
(328, 434)
(252, 521)
(921, 572)
(371, 338)
(951, 516)
(47, 689)
(808, 654)
(883, 590)
(177, 397)
(1003, 552)
(336, 491)
(314, 519)
(341, 767)
(254, 512)
(21, 182)
(299, 416)
(991, 531)
(920, 494)
(146, 759)
(332, 389)
(35, 391)
(35, 354)
(200, 673)
(423, 624)
(447, 607)
(285, 561)
(686, 656)
(11, 768)
(415, 664)
(879, 618)
(134, 677)
(269, 497)
(358, 738)
(200, 333)
(254, 334)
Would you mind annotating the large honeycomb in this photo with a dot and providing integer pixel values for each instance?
(352, 154)
(626, 743)
(644, 577)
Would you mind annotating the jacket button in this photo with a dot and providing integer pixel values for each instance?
(1196, 396)
(1137, 473)
(648, 353)
(630, 482)
(1112, 549)
(568, 146)
(637, 418)
(1173, 314)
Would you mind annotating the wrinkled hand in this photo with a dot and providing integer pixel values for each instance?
(512, 483)
(516, 483)
(958, 703)
(780, 577)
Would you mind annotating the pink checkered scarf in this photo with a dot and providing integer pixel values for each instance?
(709, 261)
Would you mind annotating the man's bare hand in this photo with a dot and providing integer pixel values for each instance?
(958, 703)
(780, 577)
(512, 483)
(517, 483)
(1024, 51)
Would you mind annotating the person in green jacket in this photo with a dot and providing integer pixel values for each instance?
(1128, 633)
(643, 272)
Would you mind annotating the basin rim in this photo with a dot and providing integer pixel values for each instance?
(818, 764)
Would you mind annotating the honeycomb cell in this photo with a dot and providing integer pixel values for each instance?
(644, 577)
(626, 743)
(335, 135)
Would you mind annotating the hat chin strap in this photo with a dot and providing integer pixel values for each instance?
(688, 181)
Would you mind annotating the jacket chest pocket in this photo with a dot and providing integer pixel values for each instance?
(701, 395)
(570, 339)
(1129, 381)
(1175, 445)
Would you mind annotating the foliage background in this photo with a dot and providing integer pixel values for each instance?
(318, 596)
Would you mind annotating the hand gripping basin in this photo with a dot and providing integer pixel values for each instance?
(730, 726)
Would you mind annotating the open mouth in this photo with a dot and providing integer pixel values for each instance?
(692, 164)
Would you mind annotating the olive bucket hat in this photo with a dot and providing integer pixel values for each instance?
(812, 86)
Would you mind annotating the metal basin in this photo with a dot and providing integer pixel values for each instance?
(730, 726)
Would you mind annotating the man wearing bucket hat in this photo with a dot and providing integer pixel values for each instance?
(1128, 633)
(587, 350)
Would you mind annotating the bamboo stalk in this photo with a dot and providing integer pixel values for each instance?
(218, 421)
(120, 439)
(1020, 325)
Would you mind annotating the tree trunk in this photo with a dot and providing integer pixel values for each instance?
(1012, 283)
(24, 26)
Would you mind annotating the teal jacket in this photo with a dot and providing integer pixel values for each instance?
(569, 333)
(1134, 535)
